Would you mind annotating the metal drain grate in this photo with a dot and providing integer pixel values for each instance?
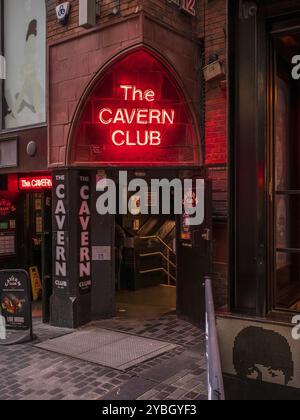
(107, 348)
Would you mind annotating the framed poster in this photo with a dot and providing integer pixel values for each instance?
(25, 53)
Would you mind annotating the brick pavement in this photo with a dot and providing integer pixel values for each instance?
(28, 373)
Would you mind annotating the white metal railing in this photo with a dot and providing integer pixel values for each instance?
(166, 258)
(214, 369)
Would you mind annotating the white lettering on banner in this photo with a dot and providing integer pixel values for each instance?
(84, 251)
(60, 283)
(60, 252)
(85, 284)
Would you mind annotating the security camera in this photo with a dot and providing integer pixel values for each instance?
(63, 12)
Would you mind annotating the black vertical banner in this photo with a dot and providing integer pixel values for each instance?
(84, 235)
(60, 233)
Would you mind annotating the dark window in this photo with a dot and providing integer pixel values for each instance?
(286, 188)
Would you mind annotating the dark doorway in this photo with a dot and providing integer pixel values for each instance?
(145, 255)
(285, 155)
(37, 249)
(194, 255)
(161, 261)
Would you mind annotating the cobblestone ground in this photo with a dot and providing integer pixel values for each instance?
(28, 373)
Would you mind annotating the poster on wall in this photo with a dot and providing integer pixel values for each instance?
(25, 53)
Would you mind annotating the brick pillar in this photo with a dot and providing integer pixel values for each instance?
(72, 265)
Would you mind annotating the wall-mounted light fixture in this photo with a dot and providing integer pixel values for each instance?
(215, 68)
(31, 148)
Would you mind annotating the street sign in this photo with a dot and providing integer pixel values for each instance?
(15, 307)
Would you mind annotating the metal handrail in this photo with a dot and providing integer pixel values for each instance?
(214, 370)
(166, 258)
(144, 238)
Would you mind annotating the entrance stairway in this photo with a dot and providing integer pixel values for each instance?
(155, 256)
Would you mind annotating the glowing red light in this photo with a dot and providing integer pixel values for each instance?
(35, 183)
(136, 116)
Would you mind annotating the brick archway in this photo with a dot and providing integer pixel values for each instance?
(147, 119)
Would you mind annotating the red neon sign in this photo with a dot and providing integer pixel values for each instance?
(136, 116)
(35, 183)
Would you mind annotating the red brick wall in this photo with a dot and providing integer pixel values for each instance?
(57, 32)
(216, 134)
(160, 9)
(210, 23)
(216, 101)
(76, 55)
(74, 62)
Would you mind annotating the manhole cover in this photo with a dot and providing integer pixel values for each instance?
(107, 348)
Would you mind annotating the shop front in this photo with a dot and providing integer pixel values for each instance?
(25, 232)
(133, 128)
(25, 183)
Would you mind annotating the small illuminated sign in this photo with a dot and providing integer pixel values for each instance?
(35, 183)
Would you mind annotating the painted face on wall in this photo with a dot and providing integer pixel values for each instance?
(263, 355)
(267, 374)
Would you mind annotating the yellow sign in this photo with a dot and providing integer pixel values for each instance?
(36, 283)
